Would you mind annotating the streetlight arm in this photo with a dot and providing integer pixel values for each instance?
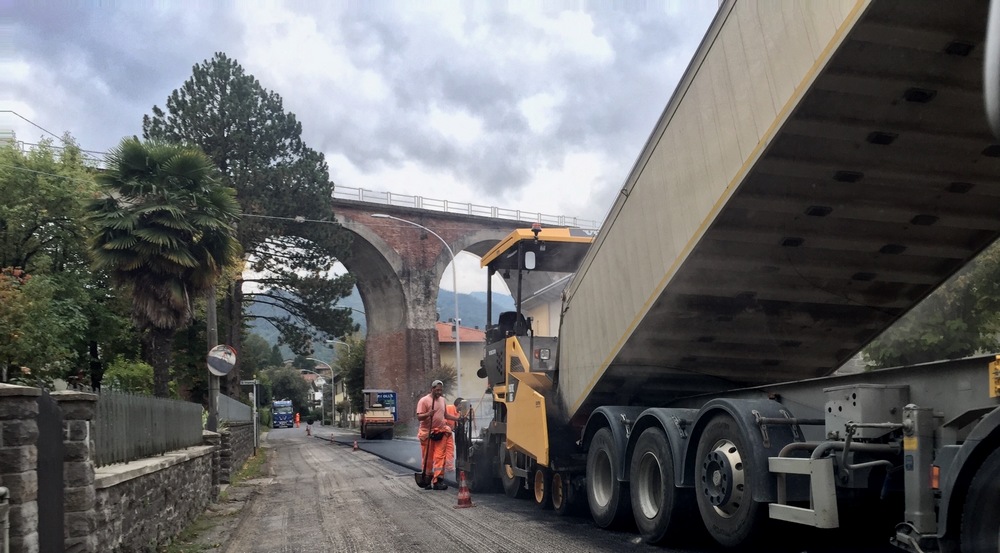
(332, 341)
(411, 223)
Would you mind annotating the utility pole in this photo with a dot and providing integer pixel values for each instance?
(212, 333)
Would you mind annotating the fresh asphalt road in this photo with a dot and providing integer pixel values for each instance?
(406, 453)
(326, 497)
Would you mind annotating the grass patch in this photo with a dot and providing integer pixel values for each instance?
(187, 540)
(255, 467)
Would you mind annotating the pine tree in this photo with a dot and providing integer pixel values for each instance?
(258, 148)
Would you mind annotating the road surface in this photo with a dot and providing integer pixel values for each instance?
(325, 497)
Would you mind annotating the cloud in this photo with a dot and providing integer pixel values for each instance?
(544, 106)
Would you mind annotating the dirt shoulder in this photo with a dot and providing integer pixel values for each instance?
(213, 530)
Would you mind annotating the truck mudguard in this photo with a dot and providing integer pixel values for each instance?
(764, 442)
(619, 418)
(676, 424)
(956, 476)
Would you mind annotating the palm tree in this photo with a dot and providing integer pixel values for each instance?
(165, 231)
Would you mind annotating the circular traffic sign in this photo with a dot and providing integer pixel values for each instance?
(221, 360)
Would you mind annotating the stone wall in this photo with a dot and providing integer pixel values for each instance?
(237, 447)
(144, 504)
(131, 507)
(18, 464)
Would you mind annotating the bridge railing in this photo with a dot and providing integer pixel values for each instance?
(459, 208)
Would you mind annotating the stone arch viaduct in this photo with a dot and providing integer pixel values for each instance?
(398, 268)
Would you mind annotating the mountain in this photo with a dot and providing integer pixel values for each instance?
(471, 307)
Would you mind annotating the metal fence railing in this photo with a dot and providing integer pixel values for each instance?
(232, 410)
(129, 427)
(460, 208)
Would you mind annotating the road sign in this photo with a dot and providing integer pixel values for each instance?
(247, 382)
(221, 360)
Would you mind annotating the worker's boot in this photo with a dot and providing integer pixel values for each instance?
(440, 485)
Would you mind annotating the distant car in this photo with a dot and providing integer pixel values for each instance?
(377, 422)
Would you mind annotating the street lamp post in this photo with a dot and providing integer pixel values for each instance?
(454, 283)
(332, 341)
(333, 390)
(321, 382)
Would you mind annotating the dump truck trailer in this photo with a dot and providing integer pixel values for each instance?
(820, 169)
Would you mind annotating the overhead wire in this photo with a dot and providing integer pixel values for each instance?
(32, 123)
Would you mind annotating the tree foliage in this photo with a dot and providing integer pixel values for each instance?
(287, 383)
(958, 319)
(35, 328)
(165, 232)
(448, 376)
(56, 313)
(256, 355)
(129, 376)
(352, 369)
(257, 146)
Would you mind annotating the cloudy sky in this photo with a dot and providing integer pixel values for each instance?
(537, 106)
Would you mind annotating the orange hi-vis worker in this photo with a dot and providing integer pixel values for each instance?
(433, 416)
(296, 420)
(451, 413)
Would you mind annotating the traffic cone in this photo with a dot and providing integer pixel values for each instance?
(355, 445)
(464, 497)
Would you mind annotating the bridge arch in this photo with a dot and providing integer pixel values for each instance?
(399, 269)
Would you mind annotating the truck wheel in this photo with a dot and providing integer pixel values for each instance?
(981, 512)
(657, 505)
(562, 493)
(607, 497)
(723, 484)
(542, 487)
(387, 435)
(513, 485)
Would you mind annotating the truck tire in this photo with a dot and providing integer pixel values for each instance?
(981, 512)
(662, 511)
(607, 497)
(563, 495)
(513, 486)
(723, 486)
(542, 488)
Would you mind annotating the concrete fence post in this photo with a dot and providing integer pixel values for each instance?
(215, 440)
(226, 456)
(19, 463)
(78, 470)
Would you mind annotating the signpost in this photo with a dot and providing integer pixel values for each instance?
(253, 406)
(322, 403)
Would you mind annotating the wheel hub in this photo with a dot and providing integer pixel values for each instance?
(723, 478)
